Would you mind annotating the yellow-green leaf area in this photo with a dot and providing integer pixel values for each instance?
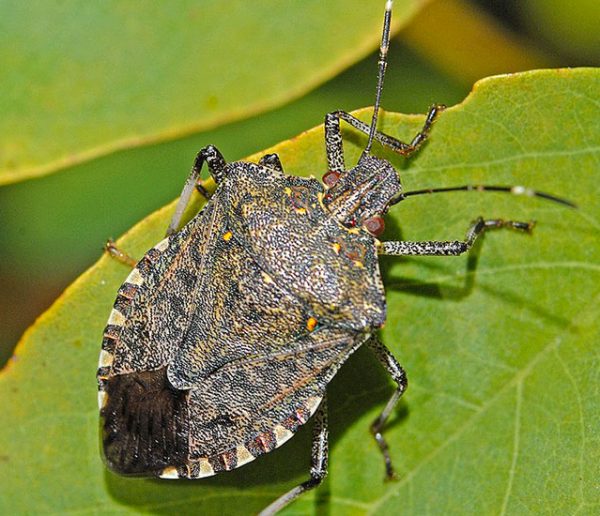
(500, 347)
(80, 79)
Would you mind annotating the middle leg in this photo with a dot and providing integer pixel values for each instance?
(452, 247)
(216, 166)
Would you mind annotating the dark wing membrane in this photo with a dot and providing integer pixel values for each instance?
(145, 423)
(252, 405)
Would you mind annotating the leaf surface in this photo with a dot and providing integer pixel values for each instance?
(81, 79)
(500, 347)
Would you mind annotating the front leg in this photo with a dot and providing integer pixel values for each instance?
(333, 136)
(452, 247)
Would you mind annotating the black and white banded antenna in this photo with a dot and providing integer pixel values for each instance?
(383, 51)
(514, 190)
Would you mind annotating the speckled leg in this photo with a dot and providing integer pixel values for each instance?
(333, 136)
(271, 161)
(318, 469)
(399, 376)
(216, 166)
(453, 247)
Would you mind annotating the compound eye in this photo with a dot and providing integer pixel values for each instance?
(374, 225)
(331, 178)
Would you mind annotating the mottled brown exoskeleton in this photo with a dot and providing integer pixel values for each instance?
(223, 338)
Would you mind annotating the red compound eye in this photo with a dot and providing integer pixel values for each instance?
(331, 178)
(374, 225)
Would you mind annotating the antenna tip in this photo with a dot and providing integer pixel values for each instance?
(388, 5)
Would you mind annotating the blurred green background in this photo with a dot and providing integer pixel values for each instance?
(52, 227)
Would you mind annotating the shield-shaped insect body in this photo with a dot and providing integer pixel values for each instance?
(224, 336)
(259, 300)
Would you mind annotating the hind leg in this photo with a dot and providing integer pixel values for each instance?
(318, 470)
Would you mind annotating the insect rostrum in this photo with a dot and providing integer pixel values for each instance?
(224, 336)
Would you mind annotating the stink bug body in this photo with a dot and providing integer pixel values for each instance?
(225, 335)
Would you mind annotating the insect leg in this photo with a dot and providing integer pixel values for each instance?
(453, 247)
(116, 253)
(333, 137)
(399, 376)
(333, 142)
(216, 166)
(421, 136)
(271, 161)
(319, 458)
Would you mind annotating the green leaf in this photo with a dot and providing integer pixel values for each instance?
(81, 79)
(502, 408)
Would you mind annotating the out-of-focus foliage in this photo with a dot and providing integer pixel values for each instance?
(468, 43)
(572, 28)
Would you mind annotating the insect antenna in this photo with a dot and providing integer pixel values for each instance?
(383, 50)
(515, 190)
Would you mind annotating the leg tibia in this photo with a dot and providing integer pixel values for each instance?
(452, 247)
(319, 458)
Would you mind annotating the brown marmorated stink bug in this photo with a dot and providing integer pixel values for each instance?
(224, 336)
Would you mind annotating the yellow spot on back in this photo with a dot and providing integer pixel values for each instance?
(288, 190)
(267, 278)
(300, 210)
(311, 324)
(336, 248)
(227, 236)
